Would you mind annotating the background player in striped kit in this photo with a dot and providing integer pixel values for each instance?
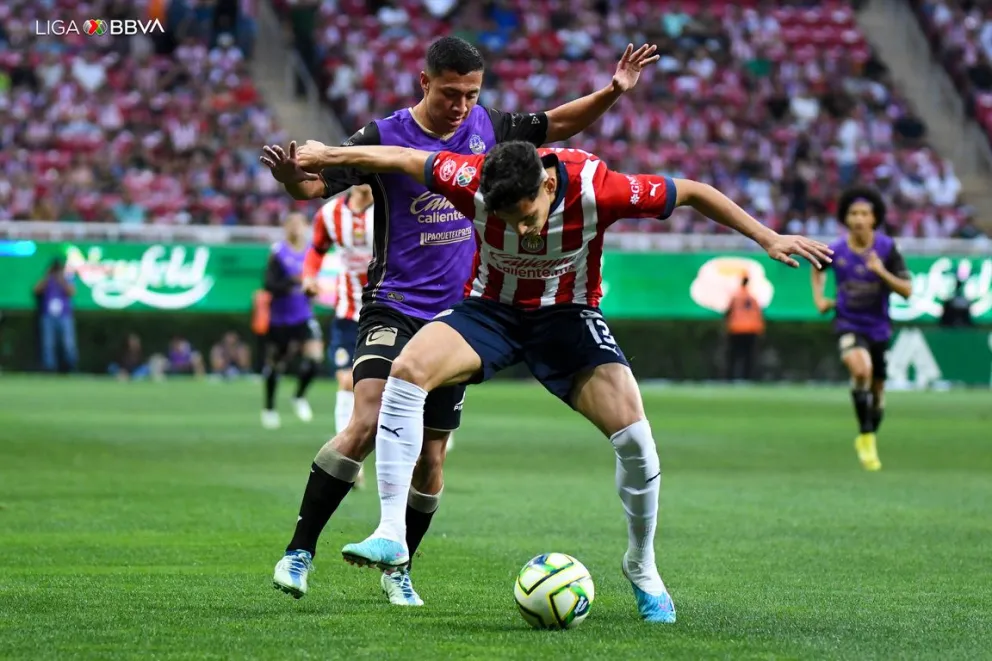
(345, 224)
(423, 253)
(292, 327)
(540, 216)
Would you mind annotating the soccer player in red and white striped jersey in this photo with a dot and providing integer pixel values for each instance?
(539, 216)
(344, 223)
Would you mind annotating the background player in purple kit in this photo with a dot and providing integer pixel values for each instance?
(423, 253)
(867, 267)
(292, 327)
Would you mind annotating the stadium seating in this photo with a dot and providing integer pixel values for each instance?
(133, 129)
(777, 106)
(960, 35)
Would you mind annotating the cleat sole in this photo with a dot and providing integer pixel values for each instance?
(360, 561)
(295, 593)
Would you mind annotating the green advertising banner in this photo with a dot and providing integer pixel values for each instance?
(222, 278)
(131, 276)
(925, 357)
(699, 286)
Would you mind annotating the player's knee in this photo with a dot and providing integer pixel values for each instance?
(635, 447)
(411, 369)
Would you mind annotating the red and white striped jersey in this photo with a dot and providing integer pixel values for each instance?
(563, 264)
(335, 224)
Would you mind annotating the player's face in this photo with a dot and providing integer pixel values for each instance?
(860, 218)
(296, 227)
(529, 216)
(450, 98)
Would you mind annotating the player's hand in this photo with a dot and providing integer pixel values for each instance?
(783, 246)
(874, 263)
(284, 165)
(825, 305)
(310, 287)
(312, 156)
(630, 66)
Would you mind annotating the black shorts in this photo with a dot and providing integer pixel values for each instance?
(876, 350)
(557, 343)
(281, 338)
(382, 334)
(344, 336)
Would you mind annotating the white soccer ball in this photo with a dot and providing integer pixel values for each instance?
(554, 591)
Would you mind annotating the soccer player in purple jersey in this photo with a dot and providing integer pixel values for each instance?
(867, 267)
(423, 252)
(292, 327)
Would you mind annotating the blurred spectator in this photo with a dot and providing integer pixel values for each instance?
(183, 359)
(230, 357)
(957, 309)
(127, 211)
(56, 323)
(131, 363)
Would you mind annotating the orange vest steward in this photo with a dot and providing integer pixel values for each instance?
(260, 312)
(744, 314)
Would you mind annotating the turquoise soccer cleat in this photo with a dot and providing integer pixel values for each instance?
(653, 608)
(377, 552)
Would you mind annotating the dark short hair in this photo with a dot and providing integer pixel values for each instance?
(511, 172)
(453, 54)
(862, 194)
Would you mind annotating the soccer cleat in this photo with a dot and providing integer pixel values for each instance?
(291, 573)
(867, 452)
(377, 552)
(653, 608)
(303, 410)
(399, 588)
(270, 419)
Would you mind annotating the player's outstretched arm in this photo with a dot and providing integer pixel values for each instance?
(718, 207)
(578, 115)
(315, 156)
(286, 170)
(817, 282)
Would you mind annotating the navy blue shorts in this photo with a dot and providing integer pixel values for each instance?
(557, 343)
(344, 337)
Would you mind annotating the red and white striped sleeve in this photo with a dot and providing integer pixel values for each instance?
(621, 196)
(457, 177)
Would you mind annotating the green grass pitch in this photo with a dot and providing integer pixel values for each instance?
(144, 520)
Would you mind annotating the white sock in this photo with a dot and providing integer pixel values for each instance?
(343, 405)
(398, 440)
(639, 483)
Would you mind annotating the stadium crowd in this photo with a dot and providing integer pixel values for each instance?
(777, 104)
(158, 128)
(960, 34)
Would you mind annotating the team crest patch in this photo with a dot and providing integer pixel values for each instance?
(841, 262)
(341, 357)
(464, 176)
(476, 144)
(447, 170)
(532, 243)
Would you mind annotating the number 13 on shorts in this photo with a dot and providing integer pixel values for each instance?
(600, 331)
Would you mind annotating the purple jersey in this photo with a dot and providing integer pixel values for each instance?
(180, 354)
(423, 249)
(55, 302)
(862, 297)
(290, 306)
